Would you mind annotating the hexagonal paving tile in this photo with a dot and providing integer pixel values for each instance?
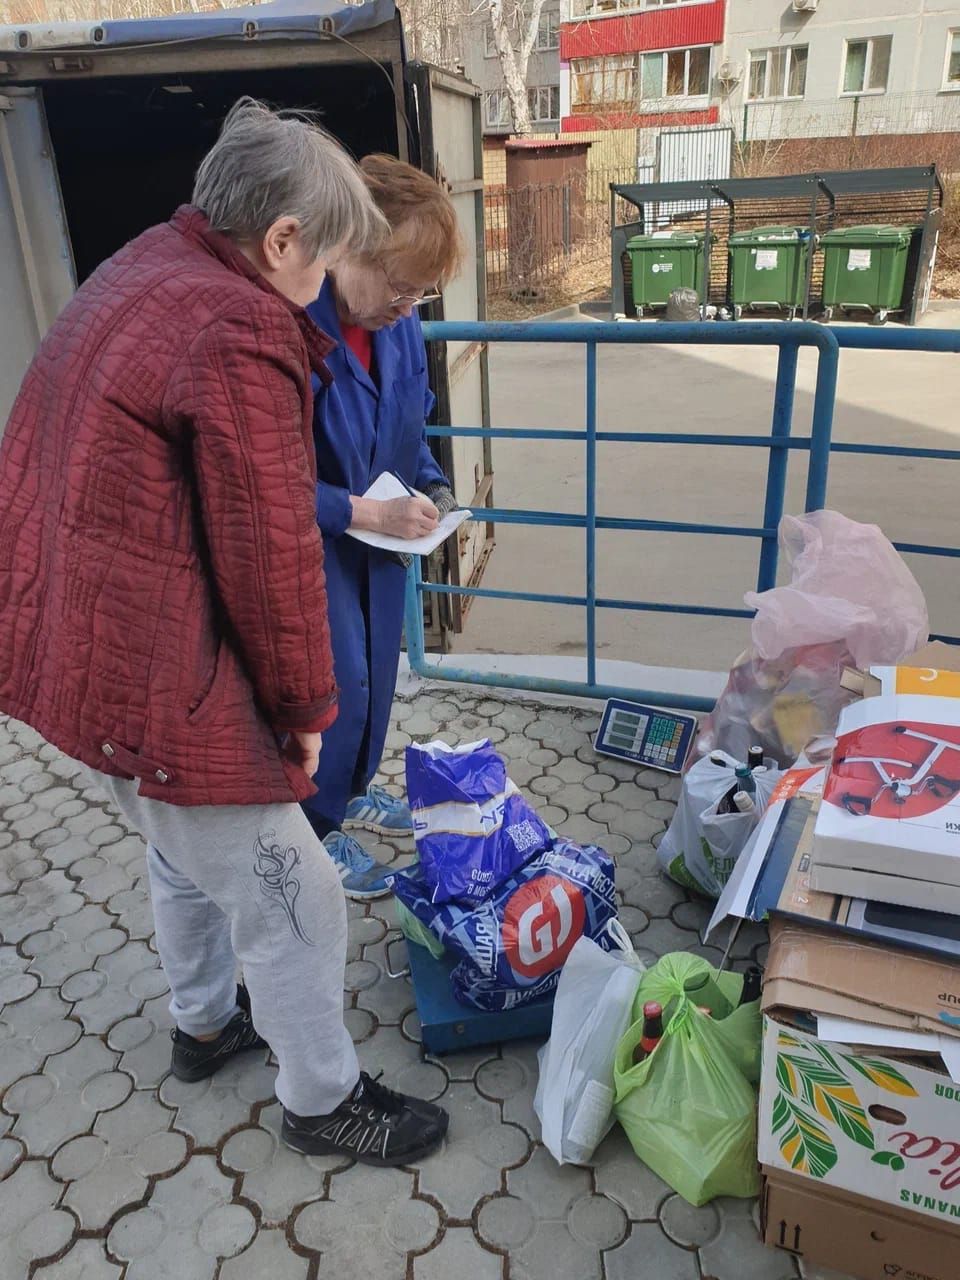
(31, 1227)
(61, 1101)
(275, 1178)
(189, 1223)
(31, 1030)
(478, 1148)
(369, 1224)
(458, 1255)
(269, 1257)
(209, 1108)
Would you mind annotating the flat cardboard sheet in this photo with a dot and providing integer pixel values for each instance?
(821, 972)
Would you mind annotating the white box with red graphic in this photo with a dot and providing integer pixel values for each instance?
(860, 1123)
(889, 825)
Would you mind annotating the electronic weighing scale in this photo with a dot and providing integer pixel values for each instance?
(645, 736)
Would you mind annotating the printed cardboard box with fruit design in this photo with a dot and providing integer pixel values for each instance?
(866, 1124)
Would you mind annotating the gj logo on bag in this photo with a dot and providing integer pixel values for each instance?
(541, 924)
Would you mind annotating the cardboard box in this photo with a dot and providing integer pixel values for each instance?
(891, 804)
(820, 971)
(853, 1235)
(849, 1121)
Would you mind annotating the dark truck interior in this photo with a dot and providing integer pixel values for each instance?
(126, 149)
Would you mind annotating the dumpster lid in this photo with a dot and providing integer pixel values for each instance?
(659, 239)
(774, 234)
(876, 233)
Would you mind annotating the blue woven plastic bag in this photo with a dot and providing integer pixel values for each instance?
(472, 826)
(513, 945)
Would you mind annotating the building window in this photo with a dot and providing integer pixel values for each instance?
(951, 78)
(543, 102)
(867, 65)
(591, 8)
(678, 73)
(496, 110)
(548, 32)
(778, 73)
(490, 45)
(607, 82)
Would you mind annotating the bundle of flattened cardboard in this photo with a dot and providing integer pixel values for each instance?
(860, 1094)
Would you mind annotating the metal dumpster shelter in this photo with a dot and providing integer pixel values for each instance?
(821, 201)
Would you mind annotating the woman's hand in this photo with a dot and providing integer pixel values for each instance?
(406, 518)
(304, 749)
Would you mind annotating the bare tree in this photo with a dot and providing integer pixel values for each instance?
(434, 30)
(510, 18)
(37, 11)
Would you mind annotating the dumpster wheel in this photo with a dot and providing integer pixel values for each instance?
(880, 317)
(827, 315)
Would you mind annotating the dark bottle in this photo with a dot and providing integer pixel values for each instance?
(754, 757)
(752, 981)
(652, 1030)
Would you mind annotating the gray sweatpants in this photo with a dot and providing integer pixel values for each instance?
(251, 884)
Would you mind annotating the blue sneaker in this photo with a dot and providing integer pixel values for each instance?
(363, 877)
(380, 812)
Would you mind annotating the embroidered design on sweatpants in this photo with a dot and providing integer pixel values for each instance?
(274, 867)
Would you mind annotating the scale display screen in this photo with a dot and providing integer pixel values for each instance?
(645, 735)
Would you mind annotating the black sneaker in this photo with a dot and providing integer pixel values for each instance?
(374, 1125)
(194, 1060)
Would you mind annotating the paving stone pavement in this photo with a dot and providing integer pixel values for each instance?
(111, 1170)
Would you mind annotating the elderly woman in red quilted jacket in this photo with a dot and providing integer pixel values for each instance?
(163, 616)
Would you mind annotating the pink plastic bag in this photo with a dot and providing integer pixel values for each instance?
(851, 601)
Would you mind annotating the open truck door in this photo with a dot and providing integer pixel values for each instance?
(446, 110)
(36, 270)
(102, 127)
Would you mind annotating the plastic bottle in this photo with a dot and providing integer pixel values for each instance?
(754, 757)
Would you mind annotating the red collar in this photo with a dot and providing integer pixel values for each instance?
(192, 224)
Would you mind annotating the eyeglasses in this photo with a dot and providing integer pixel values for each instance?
(418, 299)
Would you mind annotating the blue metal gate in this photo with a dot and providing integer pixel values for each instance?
(788, 338)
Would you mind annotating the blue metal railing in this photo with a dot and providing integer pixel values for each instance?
(788, 338)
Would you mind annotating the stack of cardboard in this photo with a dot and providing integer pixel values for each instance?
(889, 826)
(860, 1090)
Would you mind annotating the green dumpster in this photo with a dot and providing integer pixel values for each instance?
(665, 261)
(865, 268)
(768, 268)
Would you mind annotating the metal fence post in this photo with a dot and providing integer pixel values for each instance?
(783, 399)
(591, 513)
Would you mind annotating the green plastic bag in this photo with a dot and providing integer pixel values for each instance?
(412, 929)
(690, 1108)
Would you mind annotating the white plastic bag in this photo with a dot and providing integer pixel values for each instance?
(701, 846)
(851, 601)
(591, 1011)
(847, 582)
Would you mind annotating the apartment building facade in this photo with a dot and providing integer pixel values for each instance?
(482, 66)
(651, 63)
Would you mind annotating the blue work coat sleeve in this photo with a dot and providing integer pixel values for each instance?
(428, 472)
(334, 509)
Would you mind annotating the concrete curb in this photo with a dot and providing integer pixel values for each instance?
(570, 312)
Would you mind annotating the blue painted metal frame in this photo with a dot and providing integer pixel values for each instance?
(788, 338)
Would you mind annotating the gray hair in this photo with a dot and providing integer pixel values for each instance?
(268, 165)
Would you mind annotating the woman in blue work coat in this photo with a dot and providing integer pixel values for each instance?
(369, 421)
